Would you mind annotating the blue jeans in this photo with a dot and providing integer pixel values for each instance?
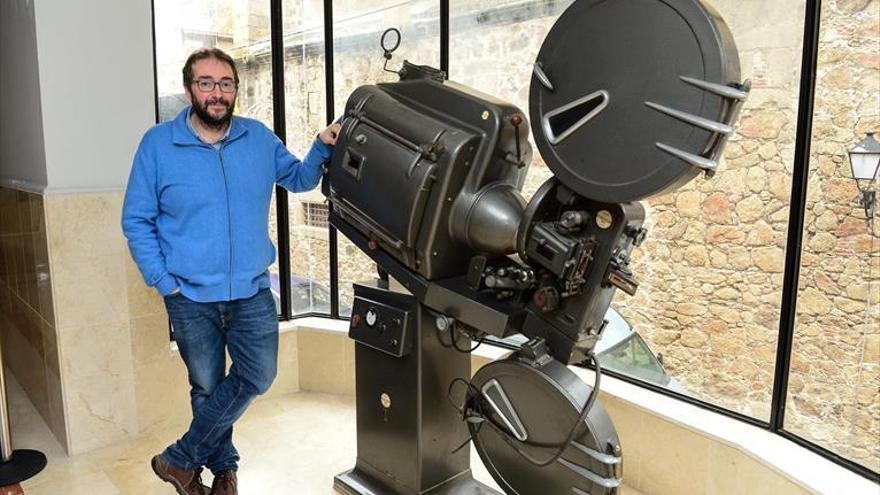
(248, 328)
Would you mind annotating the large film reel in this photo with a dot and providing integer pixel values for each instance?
(632, 98)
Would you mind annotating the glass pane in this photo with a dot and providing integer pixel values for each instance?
(305, 106)
(833, 397)
(234, 26)
(357, 30)
(713, 264)
(514, 33)
(492, 49)
(710, 271)
(358, 60)
(241, 28)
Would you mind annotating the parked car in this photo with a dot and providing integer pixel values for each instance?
(306, 296)
(623, 350)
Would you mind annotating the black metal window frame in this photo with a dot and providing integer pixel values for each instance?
(788, 307)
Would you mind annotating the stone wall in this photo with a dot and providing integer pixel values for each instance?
(715, 257)
(834, 391)
(712, 268)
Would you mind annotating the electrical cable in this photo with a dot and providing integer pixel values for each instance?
(453, 344)
(462, 411)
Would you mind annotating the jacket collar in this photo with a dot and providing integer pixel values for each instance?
(182, 134)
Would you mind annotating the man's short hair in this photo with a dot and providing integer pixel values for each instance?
(203, 54)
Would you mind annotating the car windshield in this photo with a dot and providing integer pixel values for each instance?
(633, 357)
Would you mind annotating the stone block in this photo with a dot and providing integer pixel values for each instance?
(760, 234)
(750, 209)
(693, 338)
(769, 259)
(813, 302)
(716, 209)
(688, 203)
(822, 242)
(691, 309)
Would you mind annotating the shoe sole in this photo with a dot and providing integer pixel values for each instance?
(168, 479)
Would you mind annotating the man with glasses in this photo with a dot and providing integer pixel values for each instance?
(196, 218)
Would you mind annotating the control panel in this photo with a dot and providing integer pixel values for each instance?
(383, 320)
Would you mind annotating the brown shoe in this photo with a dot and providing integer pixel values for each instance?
(185, 482)
(225, 483)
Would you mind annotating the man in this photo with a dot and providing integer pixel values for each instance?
(196, 218)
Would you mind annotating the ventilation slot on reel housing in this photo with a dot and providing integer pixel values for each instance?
(563, 121)
(501, 405)
(734, 98)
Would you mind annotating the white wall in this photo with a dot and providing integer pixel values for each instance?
(96, 75)
(22, 161)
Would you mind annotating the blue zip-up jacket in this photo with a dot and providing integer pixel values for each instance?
(197, 216)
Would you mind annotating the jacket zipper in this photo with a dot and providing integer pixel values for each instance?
(228, 214)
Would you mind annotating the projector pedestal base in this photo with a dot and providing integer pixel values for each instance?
(355, 483)
(407, 428)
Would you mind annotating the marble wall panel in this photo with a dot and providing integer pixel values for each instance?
(287, 381)
(162, 394)
(98, 379)
(89, 290)
(326, 362)
(88, 283)
(150, 339)
(85, 225)
(662, 457)
(142, 300)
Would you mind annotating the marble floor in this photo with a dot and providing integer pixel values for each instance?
(292, 445)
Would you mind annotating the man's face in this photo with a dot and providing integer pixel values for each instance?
(213, 107)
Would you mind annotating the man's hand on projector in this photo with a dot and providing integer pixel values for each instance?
(328, 136)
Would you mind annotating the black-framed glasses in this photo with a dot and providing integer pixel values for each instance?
(207, 85)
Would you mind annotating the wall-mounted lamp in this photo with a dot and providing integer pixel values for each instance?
(864, 159)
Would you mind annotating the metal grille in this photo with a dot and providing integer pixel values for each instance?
(315, 214)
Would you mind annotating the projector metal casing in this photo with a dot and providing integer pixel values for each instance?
(434, 150)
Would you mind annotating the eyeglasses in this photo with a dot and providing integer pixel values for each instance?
(208, 85)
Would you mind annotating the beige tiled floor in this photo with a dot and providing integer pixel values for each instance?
(292, 445)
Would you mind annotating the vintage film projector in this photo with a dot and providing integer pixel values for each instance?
(628, 99)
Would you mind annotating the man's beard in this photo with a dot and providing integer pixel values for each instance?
(210, 120)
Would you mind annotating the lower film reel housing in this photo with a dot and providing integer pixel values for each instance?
(525, 407)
